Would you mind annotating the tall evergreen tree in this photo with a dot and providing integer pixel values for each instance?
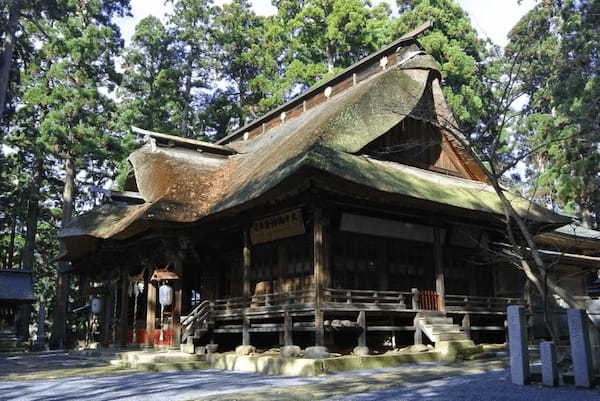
(455, 44)
(149, 93)
(555, 46)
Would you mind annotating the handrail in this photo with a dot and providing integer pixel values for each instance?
(201, 309)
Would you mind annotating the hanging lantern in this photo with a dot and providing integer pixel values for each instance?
(96, 305)
(139, 288)
(165, 295)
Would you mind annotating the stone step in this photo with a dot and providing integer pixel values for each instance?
(435, 320)
(445, 329)
(137, 357)
(433, 313)
(449, 336)
(161, 366)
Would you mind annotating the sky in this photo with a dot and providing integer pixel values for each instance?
(492, 18)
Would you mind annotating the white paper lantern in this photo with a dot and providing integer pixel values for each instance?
(165, 295)
(96, 305)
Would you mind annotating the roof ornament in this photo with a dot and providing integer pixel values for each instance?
(383, 62)
(327, 92)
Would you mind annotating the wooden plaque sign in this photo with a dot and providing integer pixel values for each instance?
(279, 226)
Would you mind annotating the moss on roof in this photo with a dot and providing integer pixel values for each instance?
(326, 137)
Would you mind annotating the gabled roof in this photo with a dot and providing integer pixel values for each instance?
(183, 185)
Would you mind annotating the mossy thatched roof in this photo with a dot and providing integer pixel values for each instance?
(186, 185)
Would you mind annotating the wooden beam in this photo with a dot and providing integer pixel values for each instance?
(150, 312)
(124, 310)
(186, 142)
(438, 253)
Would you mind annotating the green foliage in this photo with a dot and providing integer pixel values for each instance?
(557, 51)
(454, 43)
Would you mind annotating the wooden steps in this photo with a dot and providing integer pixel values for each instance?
(438, 327)
(9, 342)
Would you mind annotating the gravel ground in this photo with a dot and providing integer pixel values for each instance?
(452, 382)
(491, 386)
(181, 385)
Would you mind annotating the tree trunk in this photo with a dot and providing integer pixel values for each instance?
(33, 212)
(185, 126)
(62, 279)
(329, 57)
(10, 257)
(7, 54)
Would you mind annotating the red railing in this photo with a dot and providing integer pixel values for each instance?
(429, 300)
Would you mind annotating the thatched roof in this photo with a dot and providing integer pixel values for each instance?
(185, 184)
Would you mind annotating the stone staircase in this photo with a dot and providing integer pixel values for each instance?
(438, 327)
(9, 342)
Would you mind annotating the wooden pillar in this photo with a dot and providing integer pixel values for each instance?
(150, 311)
(418, 336)
(362, 322)
(439, 267)
(245, 330)
(287, 329)
(177, 302)
(321, 271)
(124, 311)
(247, 260)
(247, 256)
(466, 325)
(107, 318)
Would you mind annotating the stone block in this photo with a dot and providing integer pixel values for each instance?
(290, 351)
(549, 368)
(245, 350)
(361, 350)
(519, 353)
(188, 348)
(316, 352)
(454, 350)
(581, 351)
(212, 348)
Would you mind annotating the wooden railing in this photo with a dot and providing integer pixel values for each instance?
(428, 300)
(269, 300)
(365, 299)
(479, 303)
(396, 298)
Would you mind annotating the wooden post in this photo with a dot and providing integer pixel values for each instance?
(439, 267)
(287, 327)
(466, 325)
(362, 322)
(150, 312)
(245, 330)
(246, 287)
(321, 271)
(177, 302)
(246, 265)
(418, 336)
(123, 315)
(107, 319)
(415, 298)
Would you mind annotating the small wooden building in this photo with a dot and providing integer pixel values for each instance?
(16, 297)
(348, 215)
